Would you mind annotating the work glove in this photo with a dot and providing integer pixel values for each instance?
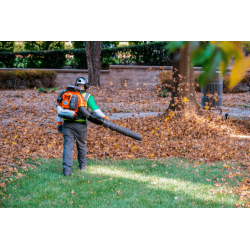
(105, 117)
(59, 127)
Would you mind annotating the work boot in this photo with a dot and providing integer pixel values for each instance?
(66, 171)
(83, 168)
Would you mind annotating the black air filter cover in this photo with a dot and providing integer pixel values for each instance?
(73, 104)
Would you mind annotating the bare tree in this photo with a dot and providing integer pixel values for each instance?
(93, 54)
(183, 89)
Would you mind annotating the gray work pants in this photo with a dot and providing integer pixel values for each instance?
(74, 131)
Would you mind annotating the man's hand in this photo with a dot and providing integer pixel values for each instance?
(105, 117)
(59, 127)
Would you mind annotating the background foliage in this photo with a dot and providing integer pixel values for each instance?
(43, 45)
(105, 44)
(214, 55)
(6, 46)
(141, 54)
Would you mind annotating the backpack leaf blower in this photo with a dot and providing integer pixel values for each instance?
(71, 105)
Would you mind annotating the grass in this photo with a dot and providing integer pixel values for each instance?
(48, 90)
(163, 93)
(244, 105)
(166, 183)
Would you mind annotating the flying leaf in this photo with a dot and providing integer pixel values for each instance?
(238, 71)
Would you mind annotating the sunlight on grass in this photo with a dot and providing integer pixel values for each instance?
(184, 188)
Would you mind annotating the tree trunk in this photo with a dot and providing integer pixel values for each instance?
(183, 90)
(93, 54)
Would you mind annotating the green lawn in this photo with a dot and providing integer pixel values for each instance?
(167, 183)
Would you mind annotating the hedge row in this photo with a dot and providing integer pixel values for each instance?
(6, 46)
(28, 78)
(142, 54)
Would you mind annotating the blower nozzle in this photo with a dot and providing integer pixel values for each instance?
(107, 124)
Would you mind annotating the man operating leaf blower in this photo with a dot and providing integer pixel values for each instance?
(73, 103)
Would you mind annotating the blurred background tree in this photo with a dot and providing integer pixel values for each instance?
(6, 46)
(106, 44)
(19, 46)
(55, 45)
(93, 54)
(43, 45)
(216, 55)
(210, 56)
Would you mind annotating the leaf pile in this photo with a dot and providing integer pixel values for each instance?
(114, 100)
(29, 129)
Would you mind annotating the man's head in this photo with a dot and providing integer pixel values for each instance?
(82, 82)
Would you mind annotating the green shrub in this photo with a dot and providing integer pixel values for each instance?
(105, 44)
(19, 46)
(7, 59)
(140, 54)
(163, 93)
(43, 45)
(28, 78)
(48, 90)
(7, 46)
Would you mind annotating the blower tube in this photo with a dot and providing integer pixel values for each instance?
(107, 124)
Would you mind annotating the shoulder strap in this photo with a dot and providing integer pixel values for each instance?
(86, 97)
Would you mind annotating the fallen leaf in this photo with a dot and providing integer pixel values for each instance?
(2, 184)
(185, 100)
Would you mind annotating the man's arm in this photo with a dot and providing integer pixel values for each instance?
(59, 119)
(92, 105)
